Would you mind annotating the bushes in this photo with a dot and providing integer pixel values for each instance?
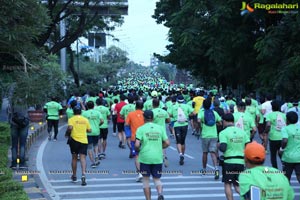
(9, 188)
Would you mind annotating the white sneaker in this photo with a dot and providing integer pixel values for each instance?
(114, 134)
(139, 177)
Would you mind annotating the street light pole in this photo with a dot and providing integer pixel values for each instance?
(62, 27)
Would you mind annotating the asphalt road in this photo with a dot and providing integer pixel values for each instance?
(114, 178)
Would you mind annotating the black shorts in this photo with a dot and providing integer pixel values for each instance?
(120, 127)
(231, 173)
(77, 147)
(103, 133)
(180, 134)
(93, 142)
(151, 169)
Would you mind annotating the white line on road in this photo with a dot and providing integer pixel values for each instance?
(177, 196)
(105, 185)
(40, 168)
(186, 155)
(133, 178)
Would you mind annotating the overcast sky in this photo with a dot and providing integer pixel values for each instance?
(140, 35)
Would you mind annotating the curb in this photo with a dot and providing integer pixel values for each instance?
(35, 129)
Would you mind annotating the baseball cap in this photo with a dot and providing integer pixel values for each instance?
(180, 99)
(222, 99)
(148, 114)
(154, 94)
(255, 152)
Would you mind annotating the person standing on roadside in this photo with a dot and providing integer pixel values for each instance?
(19, 123)
(53, 110)
(151, 139)
(78, 127)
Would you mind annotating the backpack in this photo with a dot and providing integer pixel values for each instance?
(280, 122)
(209, 118)
(19, 119)
(240, 123)
(181, 118)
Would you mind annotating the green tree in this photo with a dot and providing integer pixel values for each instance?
(19, 29)
(210, 39)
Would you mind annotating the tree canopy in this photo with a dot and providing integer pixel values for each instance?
(222, 47)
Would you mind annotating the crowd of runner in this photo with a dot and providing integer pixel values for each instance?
(235, 131)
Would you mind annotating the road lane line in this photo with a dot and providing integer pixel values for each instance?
(40, 168)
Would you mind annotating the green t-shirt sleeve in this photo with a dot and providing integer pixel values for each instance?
(164, 134)
(222, 138)
(218, 118)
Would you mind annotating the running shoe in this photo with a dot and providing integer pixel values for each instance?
(120, 144)
(101, 156)
(181, 160)
(139, 177)
(74, 179)
(217, 174)
(55, 139)
(166, 162)
(160, 197)
(83, 181)
(49, 136)
(93, 165)
(97, 162)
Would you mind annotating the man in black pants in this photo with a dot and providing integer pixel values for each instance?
(53, 110)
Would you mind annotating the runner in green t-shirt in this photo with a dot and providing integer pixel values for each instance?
(232, 143)
(103, 128)
(290, 146)
(244, 120)
(53, 110)
(180, 125)
(95, 119)
(150, 141)
(270, 182)
(161, 117)
(276, 120)
(209, 136)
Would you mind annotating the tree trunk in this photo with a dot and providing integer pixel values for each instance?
(71, 66)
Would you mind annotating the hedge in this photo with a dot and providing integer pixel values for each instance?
(9, 188)
(15, 195)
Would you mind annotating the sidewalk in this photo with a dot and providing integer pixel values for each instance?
(27, 178)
